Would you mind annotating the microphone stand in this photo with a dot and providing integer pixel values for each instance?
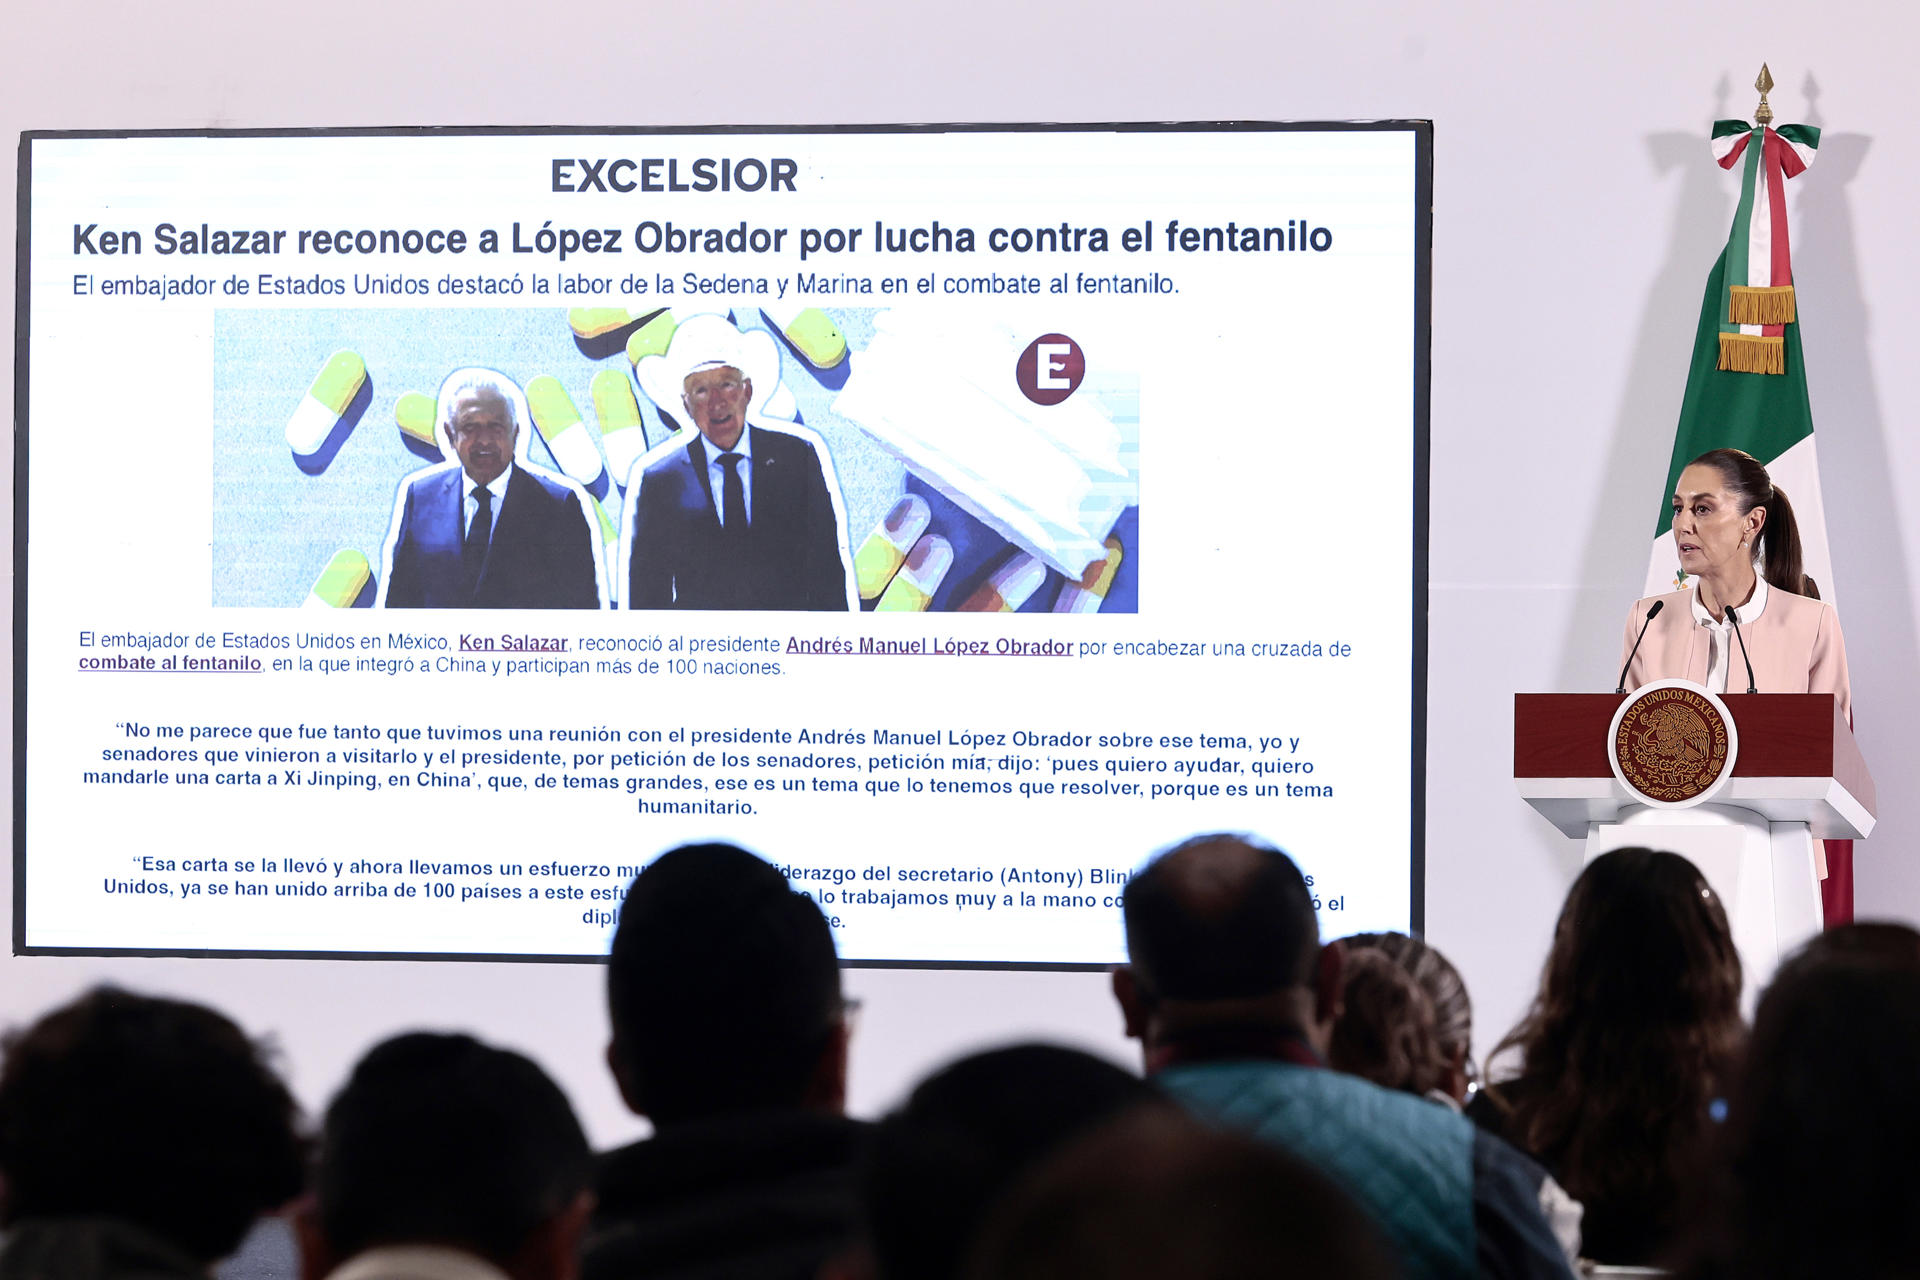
(1733, 617)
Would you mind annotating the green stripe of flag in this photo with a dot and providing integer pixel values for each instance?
(1802, 135)
(1740, 245)
(1765, 414)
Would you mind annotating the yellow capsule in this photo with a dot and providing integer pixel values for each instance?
(598, 322)
(880, 556)
(333, 389)
(560, 426)
(810, 331)
(341, 582)
(651, 338)
(1009, 586)
(911, 590)
(1086, 595)
(414, 414)
(621, 434)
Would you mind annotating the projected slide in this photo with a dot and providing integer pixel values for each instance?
(422, 531)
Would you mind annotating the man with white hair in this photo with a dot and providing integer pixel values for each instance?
(481, 532)
(739, 514)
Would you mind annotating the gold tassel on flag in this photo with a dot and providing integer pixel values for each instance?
(1755, 305)
(1752, 353)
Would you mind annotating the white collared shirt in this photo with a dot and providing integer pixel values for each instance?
(717, 472)
(1721, 655)
(497, 487)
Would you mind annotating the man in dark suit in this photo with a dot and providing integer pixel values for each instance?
(486, 534)
(739, 517)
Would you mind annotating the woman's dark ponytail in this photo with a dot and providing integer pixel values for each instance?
(1781, 539)
(1780, 536)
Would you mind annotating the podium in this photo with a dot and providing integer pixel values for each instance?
(1797, 778)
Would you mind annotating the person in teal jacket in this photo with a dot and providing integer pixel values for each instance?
(1233, 998)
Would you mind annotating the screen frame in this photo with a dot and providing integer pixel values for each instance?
(1422, 132)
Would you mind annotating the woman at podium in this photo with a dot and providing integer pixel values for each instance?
(1748, 599)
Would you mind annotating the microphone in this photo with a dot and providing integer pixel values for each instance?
(1651, 615)
(1734, 618)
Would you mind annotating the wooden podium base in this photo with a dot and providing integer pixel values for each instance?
(1797, 779)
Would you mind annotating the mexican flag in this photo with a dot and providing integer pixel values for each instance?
(1747, 385)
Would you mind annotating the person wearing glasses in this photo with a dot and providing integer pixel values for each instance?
(737, 515)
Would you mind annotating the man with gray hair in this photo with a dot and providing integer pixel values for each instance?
(735, 514)
(482, 532)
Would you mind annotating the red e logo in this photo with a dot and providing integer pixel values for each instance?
(1050, 369)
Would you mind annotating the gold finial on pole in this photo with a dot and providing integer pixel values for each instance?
(1763, 114)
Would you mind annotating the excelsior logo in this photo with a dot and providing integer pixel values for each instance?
(1050, 369)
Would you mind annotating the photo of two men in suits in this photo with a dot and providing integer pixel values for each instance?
(735, 514)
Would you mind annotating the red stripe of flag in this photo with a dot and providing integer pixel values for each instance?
(1790, 159)
(1836, 891)
(1781, 265)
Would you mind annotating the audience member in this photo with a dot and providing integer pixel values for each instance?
(139, 1137)
(1446, 993)
(1154, 1195)
(1815, 1174)
(1385, 1031)
(730, 1035)
(1234, 998)
(965, 1135)
(445, 1159)
(1626, 1049)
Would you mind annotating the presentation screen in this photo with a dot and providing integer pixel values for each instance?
(952, 515)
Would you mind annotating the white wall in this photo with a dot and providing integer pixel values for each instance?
(1576, 216)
